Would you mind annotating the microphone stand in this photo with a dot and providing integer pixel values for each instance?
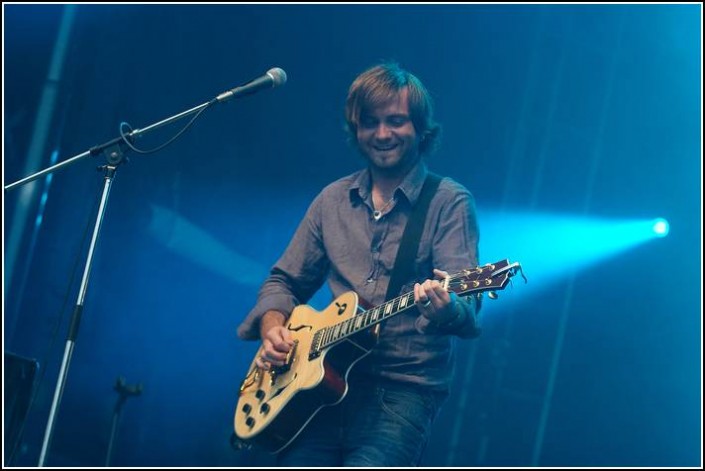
(114, 151)
(124, 391)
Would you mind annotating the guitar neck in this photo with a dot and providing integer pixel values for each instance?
(488, 277)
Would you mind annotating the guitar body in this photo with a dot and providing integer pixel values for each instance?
(306, 383)
(275, 405)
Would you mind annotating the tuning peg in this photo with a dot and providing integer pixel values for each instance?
(492, 295)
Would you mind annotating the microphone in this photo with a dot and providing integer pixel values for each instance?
(273, 78)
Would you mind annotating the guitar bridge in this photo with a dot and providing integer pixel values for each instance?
(250, 379)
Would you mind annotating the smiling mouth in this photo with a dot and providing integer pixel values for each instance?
(385, 149)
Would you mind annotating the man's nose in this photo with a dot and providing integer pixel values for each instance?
(383, 132)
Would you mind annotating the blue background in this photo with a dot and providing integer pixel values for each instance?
(564, 121)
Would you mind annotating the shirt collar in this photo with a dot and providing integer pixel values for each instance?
(410, 187)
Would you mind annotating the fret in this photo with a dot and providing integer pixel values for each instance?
(388, 309)
(358, 322)
(375, 313)
(344, 328)
(403, 301)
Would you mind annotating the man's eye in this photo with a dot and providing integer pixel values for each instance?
(368, 123)
(398, 121)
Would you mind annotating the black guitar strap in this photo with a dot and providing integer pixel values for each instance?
(404, 268)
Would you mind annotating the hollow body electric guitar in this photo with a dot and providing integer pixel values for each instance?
(275, 405)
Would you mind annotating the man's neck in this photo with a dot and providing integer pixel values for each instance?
(384, 184)
(385, 181)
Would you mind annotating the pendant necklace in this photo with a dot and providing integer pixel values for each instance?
(378, 213)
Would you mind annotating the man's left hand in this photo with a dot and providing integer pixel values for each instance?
(433, 301)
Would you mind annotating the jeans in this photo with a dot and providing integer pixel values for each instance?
(377, 424)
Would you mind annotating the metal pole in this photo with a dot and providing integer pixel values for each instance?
(76, 319)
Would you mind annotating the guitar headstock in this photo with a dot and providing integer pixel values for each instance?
(489, 277)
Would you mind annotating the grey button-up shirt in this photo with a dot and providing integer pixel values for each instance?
(340, 240)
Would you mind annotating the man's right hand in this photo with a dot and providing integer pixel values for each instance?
(276, 340)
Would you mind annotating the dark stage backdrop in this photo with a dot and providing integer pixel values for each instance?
(550, 113)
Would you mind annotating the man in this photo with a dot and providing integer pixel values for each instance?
(350, 236)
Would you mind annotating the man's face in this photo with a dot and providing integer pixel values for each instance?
(386, 134)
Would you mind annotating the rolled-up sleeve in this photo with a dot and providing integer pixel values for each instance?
(455, 248)
(466, 325)
(296, 276)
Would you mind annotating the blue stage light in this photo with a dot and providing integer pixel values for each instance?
(661, 227)
(553, 247)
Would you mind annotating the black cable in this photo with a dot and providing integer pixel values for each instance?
(126, 139)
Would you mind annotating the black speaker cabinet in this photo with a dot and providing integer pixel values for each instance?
(20, 377)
